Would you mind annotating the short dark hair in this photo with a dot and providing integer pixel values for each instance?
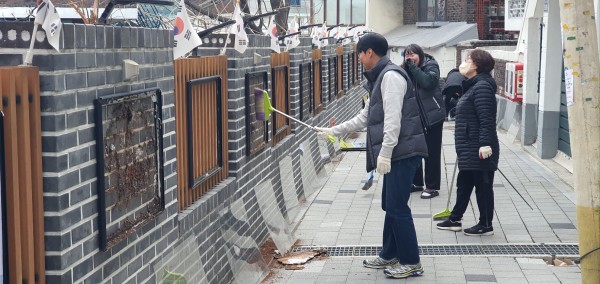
(374, 41)
(416, 49)
(483, 59)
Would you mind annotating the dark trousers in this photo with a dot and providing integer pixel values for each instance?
(483, 181)
(399, 235)
(433, 162)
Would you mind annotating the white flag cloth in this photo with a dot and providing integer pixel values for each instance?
(48, 17)
(347, 39)
(314, 35)
(241, 39)
(358, 32)
(186, 37)
(272, 30)
(355, 37)
(292, 41)
(335, 33)
(323, 35)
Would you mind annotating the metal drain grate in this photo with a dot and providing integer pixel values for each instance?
(564, 250)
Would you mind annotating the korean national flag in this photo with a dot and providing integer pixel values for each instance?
(272, 30)
(48, 17)
(186, 37)
(241, 38)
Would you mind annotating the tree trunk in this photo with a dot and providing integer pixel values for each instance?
(581, 60)
(281, 18)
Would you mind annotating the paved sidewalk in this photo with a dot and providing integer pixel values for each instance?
(341, 214)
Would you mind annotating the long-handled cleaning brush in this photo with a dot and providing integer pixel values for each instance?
(264, 108)
(446, 213)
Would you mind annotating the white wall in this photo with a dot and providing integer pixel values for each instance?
(446, 58)
(384, 15)
(550, 79)
(396, 55)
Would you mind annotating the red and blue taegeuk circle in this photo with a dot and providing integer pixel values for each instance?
(179, 26)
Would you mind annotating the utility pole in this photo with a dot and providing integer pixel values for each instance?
(581, 60)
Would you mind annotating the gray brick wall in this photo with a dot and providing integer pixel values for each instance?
(89, 65)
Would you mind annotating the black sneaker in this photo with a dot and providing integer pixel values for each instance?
(429, 193)
(479, 230)
(455, 226)
(416, 188)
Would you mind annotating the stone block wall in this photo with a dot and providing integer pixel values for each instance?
(214, 240)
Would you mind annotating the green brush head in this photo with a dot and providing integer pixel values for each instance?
(267, 105)
(262, 104)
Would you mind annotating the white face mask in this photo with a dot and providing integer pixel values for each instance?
(464, 68)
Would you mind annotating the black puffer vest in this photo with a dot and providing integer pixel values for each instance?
(411, 141)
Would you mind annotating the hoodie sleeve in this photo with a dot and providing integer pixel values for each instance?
(393, 89)
(428, 76)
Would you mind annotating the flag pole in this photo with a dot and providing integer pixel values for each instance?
(225, 45)
(29, 55)
(228, 33)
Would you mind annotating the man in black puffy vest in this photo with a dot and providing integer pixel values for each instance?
(395, 147)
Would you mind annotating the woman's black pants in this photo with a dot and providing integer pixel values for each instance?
(483, 182)
(433, 162)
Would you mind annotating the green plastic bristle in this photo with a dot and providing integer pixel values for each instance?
(268, 108)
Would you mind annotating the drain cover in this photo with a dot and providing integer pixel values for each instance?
(563, 250)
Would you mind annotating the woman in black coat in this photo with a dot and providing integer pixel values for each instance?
(424, 73)
(476, 142)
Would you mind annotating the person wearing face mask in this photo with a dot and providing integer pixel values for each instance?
(476, 143)
(395, 147)
(424, 72)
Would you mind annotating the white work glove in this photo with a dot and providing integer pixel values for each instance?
(485, 152)
(324, 133)
(384, 165)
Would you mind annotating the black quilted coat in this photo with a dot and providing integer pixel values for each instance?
(476, 124)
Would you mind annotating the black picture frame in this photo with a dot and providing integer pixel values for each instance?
(100, 162)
